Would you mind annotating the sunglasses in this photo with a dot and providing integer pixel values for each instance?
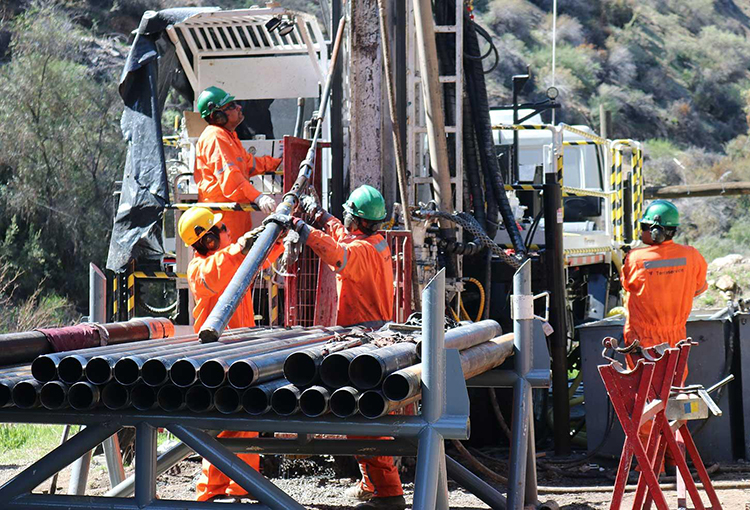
(230, 106)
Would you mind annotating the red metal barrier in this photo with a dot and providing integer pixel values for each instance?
(400, 243)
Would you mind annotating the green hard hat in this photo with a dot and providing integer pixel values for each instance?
(366, 202)
(663, 213)
(211, 99)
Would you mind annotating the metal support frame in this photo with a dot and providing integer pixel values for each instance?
(445, 416)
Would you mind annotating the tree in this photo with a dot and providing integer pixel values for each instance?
(61, 151)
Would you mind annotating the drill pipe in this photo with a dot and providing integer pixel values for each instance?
(246, 372)
(99, 368)
(127, 370)
(256, 400)
(344, 402)
(285, 400)
(171, 398)
(143, 397)
(406, 383)
(199, 399)
(373, 404)
(334, 369)
(54, 395)
(115, 396)
(6, 387)
(83, 396)
(227, 400)
(301, 368)
(44, 368)
(248, 270)
(315, 401)
(468, 335)
(25, 346)
(213, 371)
(368, 369)
(26, 393)
(155, 371)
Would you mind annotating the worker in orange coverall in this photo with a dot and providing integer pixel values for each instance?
(223, 167)
(361, 259)
(215, 262)
(661, 280)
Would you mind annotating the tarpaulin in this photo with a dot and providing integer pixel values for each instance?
(70, 338)
(150, 70)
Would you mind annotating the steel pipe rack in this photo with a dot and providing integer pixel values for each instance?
(445, 415)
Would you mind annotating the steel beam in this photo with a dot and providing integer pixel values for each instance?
(472, 483)
(227, 462)
(63, 502)
(145, 464)
(56, 460)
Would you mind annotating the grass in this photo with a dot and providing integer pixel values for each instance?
(21, 443)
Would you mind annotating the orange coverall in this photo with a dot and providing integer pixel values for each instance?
(661, 281)
(208, 276)
(364, 282)
(222, 172)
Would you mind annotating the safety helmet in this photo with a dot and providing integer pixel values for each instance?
(366, 202)
(195, 223)
(663, 213)
(212, 99)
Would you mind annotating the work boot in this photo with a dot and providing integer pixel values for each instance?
(389, 503)
(358, 492)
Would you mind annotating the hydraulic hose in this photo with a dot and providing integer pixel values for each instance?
(471, 166)
(477, 91)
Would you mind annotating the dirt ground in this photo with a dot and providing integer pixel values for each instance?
(322, 490)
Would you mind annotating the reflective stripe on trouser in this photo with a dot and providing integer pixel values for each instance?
(213, 482)
(379, 474)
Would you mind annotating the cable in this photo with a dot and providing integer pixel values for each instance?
(533, 228)
(482, 297)
(493, 49)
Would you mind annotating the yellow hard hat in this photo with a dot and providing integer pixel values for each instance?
(195, 222)
(617, 310)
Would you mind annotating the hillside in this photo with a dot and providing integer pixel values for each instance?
(675, 74)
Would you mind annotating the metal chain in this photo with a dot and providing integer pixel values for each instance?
(470, 224)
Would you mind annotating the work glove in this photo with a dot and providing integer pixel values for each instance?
(302, 228)
(315, 214)
(248, 239)
(293, 242)
(281, 219)
(266, 203)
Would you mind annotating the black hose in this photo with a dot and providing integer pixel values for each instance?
(471, 166)
(477, 91)
(493, 49)
(533, 228)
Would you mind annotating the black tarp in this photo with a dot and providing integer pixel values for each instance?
(150, 70)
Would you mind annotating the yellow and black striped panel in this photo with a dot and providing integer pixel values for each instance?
(274, 304)
(569, 191)
(522, 127)
(523, 187)
(584, 142)
(584, 134)
(170, 141)
(217, 206)
(159, 275)
(115, 298)
(131, 296)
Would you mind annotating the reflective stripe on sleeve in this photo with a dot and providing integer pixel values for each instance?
(382, 245)
(656, 264)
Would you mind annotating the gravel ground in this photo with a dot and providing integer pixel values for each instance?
(323, 490)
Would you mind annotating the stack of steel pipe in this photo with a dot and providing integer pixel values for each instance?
(169, 373)
(370, 380)
(311, 371)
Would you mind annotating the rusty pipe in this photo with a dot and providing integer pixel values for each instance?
(368, 369)
(373, 404)
(334, 369)
(285, 400)
(344, 402)
(468, 335)
(315, 401)
(406, 383)
(199, 399)
(83, 396)
(25, 393)
(54, 395)
(256, 400)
